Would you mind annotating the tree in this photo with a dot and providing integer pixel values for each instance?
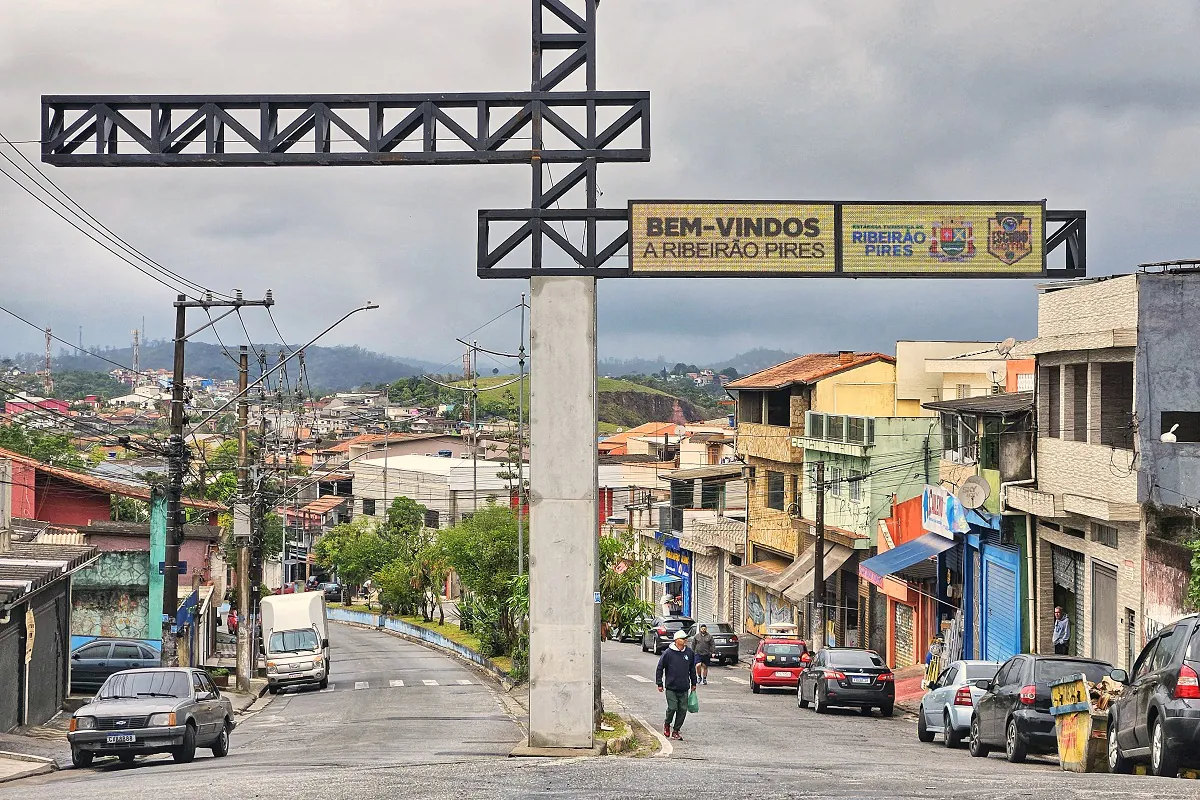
(483, 551)
(729, 372)
(622, 570)
(44, 446)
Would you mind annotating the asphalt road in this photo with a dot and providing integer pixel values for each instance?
(449, 741)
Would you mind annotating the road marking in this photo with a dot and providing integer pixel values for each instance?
(639, 678)
(430, 683)
(464, 683)
(330, 688)
(742, 681)
(395, 684)
(361, 685)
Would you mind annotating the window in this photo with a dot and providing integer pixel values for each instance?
(835, 481)
(835, 428)
(979, 671)
(775, 497)
(1078, 376)
(711, 495)
(856, 430)
(431, 518)
(855, 482)
(779, 408)
(1076, 532)
(1142, 665)
(127, 652)
(129, 684)
(94, 651)
(298, 641)
(1104, 534)
(815, 425)
(1050, 668)
(810, 471)
(948, 677)
(1053, 392)
(1188, 422)
(1116, 404)
(1025, 382)
(854, 658)
(989, 444)
(796, 492)
(962, 390)
(1168, 643)
(368, 507)
(750, 407)
(969, 438)
(949, 433)
(1008, 673)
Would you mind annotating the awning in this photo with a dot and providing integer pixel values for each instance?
(761, 573)
(664, 578)
(835, 556)
(906, 558)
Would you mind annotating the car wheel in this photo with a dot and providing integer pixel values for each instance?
(1014, 747)
(800, 701)
(187, 751)
(81, 758)
(273, 689)
(754, 687)
(923, 732)
(220, 748)
(126, 758)
(324, 684)
(644, 648)
(976, 746)
(865, 711)
(888, 710)
(1163, 760)
(1118, 764)
(950, 735)
(819, 705)
(657, 647)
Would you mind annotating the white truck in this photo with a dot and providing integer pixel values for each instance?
(296, 640)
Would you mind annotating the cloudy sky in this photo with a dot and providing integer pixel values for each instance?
(1086, 103)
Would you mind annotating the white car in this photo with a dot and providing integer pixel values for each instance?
(946, 708)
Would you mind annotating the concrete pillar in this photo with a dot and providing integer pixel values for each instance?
(563, 539)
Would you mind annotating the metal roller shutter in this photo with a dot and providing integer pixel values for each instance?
(702, 599)
(1000, 628)
(903, 621)
(735, 604)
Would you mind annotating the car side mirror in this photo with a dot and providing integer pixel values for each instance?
(805, 658)
(74, 656)
(983, 683)
(1119, 675)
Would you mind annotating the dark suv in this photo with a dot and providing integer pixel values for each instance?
(1157, 718)
(1014, 712)
(661, 632)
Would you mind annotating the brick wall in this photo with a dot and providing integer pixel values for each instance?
(769, 442)
(768, 526)
(1090, 307)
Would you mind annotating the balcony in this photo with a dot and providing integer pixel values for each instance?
(770, 442)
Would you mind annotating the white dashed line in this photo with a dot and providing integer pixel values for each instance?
(430, 683)
(395, 684)
(464, 683)
(742, 681)
(638, 678)
(361, 685)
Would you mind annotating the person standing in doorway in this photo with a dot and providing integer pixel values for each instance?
(676, 676)
(703, 647)
(1062, 632)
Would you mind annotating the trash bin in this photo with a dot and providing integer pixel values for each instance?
(1081, 730)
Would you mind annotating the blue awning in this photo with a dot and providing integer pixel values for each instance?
(664, 578)
(906, 555)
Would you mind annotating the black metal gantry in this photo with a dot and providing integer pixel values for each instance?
(398, 129)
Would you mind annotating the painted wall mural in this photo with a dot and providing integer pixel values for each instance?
(111, 597)
(764, 608)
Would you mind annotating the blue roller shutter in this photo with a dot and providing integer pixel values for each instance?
(1001, 628)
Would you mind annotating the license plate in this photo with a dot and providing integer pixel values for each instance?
(120, 738)
(783, 674)
(860, 680)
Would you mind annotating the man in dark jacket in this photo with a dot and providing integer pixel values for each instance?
(676, 676)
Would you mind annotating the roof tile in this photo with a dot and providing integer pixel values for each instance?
(806, 369)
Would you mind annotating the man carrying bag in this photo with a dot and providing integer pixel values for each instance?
(676, 677)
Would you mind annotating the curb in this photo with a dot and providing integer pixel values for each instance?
(42, 769)
(619, 744)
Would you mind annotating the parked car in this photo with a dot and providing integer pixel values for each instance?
(661, 632)
(332, 591)
(778, 663)
(848, 676)
(725, 641)
(632, 632)
(92, 663)
(1014, 711)
(1157, 718)
(139, 712)
(946, 708)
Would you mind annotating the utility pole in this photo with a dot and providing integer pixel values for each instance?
(177, 457)
(48, 380)
(137, 357)
(243, 550)
(475, 426)
(521, 447)
(818, 638)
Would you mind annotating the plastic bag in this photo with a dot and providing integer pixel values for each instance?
(693, 702)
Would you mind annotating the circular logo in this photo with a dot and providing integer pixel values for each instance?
(1009, 223)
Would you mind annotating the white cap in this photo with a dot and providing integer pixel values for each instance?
(680, 635)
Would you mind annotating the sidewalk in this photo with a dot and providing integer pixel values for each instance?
(909, 690)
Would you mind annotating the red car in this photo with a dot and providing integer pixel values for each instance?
(778, 663)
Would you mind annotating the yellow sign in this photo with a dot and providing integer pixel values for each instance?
(916, 239)
(690, 238)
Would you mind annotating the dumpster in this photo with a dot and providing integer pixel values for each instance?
(1082, 731)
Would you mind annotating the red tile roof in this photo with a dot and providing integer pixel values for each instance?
(324, 505)
(807, 369)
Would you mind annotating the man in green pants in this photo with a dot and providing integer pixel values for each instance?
(676, 676)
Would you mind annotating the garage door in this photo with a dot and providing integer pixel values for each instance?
(735, 604)
(1001, 612)
(903, 624)
(11, 656)
(703, 603)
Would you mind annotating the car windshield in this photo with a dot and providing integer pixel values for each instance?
(783, 649)
(293, 641)
(854, 658)
(1193, 651)
(977, 671)
(676, 624)
(1048, 669)
(719, 627)
(164, 683)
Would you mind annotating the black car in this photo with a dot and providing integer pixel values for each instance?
(661, 632)
(847, 676)
(725, 641)
(92, 663)
(1014, 712)
(1157, 718)
(333, 592)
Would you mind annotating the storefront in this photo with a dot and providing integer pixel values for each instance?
(676, 577)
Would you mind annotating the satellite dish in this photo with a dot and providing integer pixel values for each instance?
(1005, 347)
(1169, 437)
(974, 492)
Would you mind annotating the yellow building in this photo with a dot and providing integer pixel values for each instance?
(778, 570)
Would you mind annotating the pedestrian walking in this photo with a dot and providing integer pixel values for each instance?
(702, 645)
(1062, 632)
(676, 676)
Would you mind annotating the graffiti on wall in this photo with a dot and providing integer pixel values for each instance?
(764, 608)
(111, 597)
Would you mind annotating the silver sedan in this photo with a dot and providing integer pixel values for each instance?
(946, 708)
